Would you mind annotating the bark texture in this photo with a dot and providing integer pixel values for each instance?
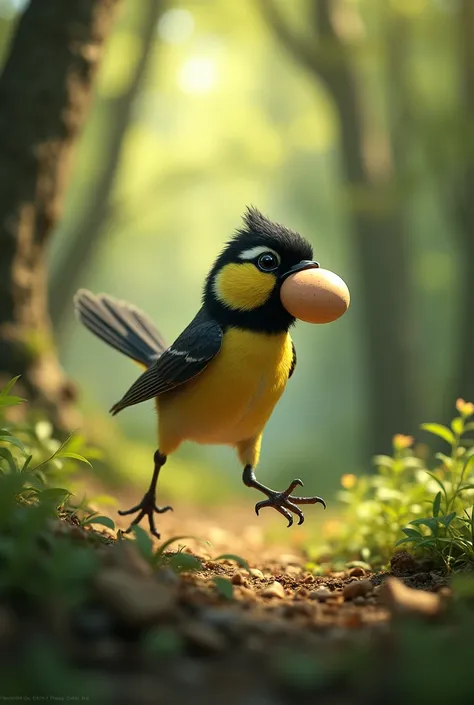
(45, 90)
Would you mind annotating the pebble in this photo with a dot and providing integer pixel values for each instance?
(301, 593)
(275, 589)
(256, 573)
(404, 600)
(356, 572)
(238, 579)
(322, 594)
(358, 588)
(293, 569)
(136, 599)
(203, 636)
(245, 593)
(359, 600)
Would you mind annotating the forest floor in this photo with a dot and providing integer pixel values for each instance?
(284, 636)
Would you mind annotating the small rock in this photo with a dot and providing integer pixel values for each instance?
(136, 599)
(322, 594)
(404, 600)
(293, 569)
(238, 579)
(359, 600)
(358, 588)
(356, 572)
(203, 636)
(403, 563)
(256, 573)
(275, 589)
(245, 593)
(301, 593)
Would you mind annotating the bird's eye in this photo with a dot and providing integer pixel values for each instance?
(268, 262)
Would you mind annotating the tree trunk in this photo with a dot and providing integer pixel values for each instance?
(44, 96)
(89, 224)
(377, 228)
(464, 204)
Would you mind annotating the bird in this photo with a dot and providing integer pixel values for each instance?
(220, 380)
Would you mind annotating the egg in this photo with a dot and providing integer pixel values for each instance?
(315, 295)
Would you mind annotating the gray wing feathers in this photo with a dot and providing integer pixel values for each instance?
(120, 325)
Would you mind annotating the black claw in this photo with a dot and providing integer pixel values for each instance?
(124, 512)
(146, 508)
(162, 510)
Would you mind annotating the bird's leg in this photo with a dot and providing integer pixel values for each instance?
(147, 507)
(283, 502)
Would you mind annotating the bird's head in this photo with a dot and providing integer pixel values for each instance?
(243, 286)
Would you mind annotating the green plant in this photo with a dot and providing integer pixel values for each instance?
(431, 506)
(31, 461)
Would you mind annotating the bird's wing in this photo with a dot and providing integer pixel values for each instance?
(187, 357)
(293, 361)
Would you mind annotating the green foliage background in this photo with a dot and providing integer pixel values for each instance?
(225, 119)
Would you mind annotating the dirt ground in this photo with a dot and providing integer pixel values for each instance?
(286, 635)
(283, 636)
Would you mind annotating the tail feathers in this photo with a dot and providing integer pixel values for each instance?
(120, 325)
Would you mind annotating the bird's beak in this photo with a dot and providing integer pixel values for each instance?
(304, 264)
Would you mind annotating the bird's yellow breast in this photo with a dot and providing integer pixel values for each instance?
(232, 399)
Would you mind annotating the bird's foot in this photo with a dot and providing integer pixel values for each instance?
(284, 503)
(146, 508)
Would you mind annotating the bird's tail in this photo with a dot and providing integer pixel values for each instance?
(120, 325)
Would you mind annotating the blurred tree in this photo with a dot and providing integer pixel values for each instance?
(44, 93)
(90, 223)
(463, 203)
(376, 216)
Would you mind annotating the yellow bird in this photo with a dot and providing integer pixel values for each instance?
(220, 380)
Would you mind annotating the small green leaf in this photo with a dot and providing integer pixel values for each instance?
(174, 539)
(438, 481)
(184, 562)
(9, 386)
(10, 401)
(74, 456)
(436, 504)
(144, 542)
(402, 541)
(232, 557)
(7, 437)
(412, 534)
(430, 522)
(457, 425)
(163, 642)
(102, 520)
(224, 587)
(438, 430)
(5, 453)
(56, 495)
(446, 520)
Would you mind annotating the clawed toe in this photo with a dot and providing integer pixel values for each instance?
(286, 504)
(146, 508)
